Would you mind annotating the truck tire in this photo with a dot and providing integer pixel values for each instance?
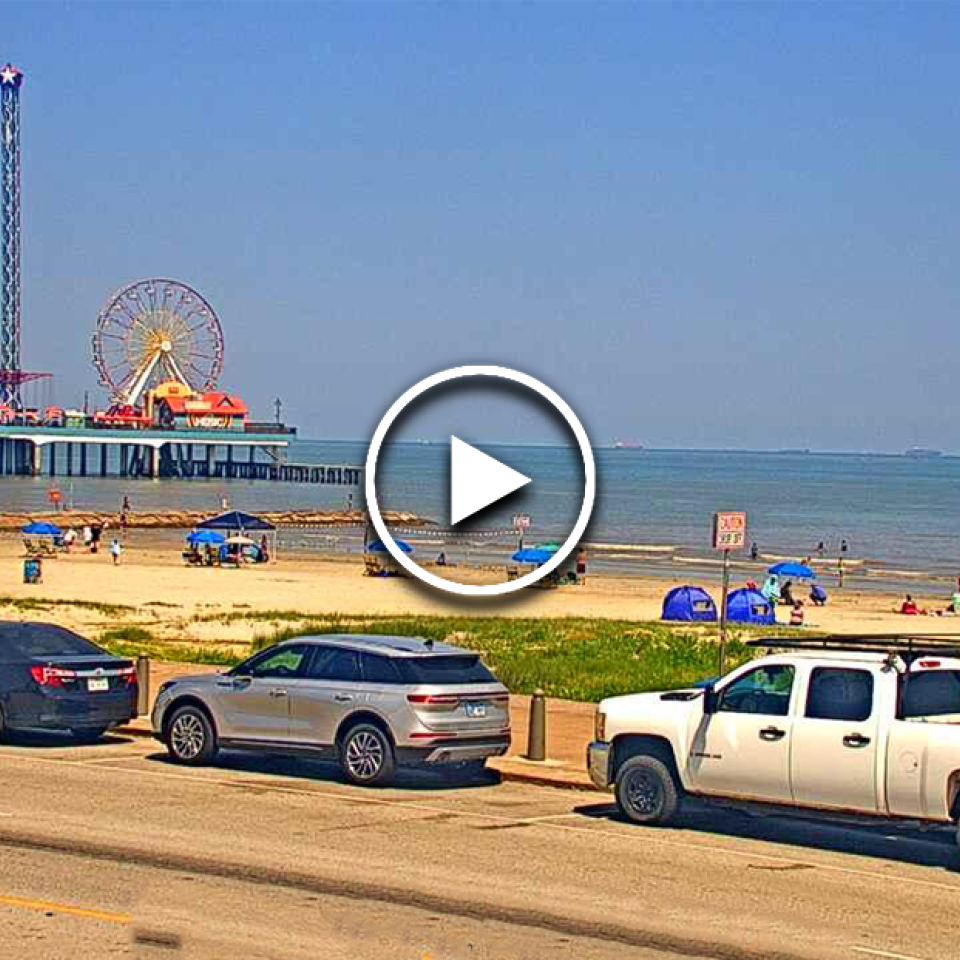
(647, 791)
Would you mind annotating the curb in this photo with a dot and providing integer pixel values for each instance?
(512, 776)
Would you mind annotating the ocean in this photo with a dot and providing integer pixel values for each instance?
(900, 516)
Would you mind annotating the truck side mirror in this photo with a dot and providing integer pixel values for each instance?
(710, 699)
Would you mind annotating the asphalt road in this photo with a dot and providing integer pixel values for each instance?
(112, 851)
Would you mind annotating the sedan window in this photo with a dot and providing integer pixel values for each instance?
(25, 640)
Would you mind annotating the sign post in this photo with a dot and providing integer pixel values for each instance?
(729, 533)
(520, 523)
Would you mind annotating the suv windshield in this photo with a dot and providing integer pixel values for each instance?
(43, 640)
(445, 669)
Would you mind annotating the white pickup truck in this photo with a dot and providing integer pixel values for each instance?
(859, 725)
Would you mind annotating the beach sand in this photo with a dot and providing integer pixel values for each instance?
(168, 596)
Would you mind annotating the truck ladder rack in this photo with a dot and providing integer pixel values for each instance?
(944, 644)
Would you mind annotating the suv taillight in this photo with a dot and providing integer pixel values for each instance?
(52, 676)
(433, 699)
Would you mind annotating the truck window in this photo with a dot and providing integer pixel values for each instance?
(840, 693)
(930, 693)
(765, 690)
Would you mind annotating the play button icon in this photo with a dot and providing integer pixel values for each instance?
(477, 480)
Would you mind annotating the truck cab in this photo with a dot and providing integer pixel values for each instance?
(869, 726)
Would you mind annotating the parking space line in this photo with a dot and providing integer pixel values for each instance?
(620, 835)
(884, 953)
(50, 906)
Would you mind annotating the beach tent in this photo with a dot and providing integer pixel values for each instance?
(689, 603)
(40, 529)
(749, 606)
(239, 522)
(236, 520)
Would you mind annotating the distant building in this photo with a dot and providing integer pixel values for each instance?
(208, 411)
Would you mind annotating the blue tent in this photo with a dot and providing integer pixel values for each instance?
(533, 555)
(236, 520)
(799, 571)
(205, 536)
(749, 606)
(378, 546)
(689, 603)
(40, 529)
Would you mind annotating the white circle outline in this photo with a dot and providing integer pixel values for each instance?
(589, 487)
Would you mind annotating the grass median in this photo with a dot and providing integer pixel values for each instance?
(583, 659)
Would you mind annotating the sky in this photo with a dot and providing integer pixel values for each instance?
(705, 225)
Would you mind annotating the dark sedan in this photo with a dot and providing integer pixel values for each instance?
(54, 679)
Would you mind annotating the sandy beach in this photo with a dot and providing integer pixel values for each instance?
(167, 597)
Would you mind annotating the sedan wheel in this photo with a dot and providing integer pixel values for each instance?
(366, 755)
(190, 736)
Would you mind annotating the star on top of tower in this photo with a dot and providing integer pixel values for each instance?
(10, 74)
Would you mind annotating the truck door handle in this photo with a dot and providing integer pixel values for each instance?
(342, 698)
(855, 740)
(277, 692)
(772, 734)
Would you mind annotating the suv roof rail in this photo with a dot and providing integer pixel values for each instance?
(912, 645)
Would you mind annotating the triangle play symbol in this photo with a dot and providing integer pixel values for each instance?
(477, 480)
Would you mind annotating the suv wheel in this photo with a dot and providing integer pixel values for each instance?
(366, 755)
(647, 791)
(190, 737)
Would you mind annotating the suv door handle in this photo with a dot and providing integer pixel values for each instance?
(278, 692)
(342, 697)
(855, 740)
(771, 734)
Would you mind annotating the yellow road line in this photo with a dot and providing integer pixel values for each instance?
(48, 906)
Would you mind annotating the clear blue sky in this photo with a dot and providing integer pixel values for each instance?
(706, 225)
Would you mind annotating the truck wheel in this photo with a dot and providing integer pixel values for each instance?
(647, 791)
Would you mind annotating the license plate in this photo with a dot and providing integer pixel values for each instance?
(99, 683)
(476, 709)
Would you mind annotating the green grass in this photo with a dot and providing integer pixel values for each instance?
(157, 650)
(29, 603)
(575, 658)
(130, 634)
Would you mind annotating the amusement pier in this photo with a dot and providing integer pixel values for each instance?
(158, 351)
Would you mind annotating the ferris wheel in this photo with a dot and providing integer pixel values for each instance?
(153, 331)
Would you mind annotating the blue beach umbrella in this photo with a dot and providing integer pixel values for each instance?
(532, 555)
(40, 529)
(206, 536)
(378, 546)
(799, 570)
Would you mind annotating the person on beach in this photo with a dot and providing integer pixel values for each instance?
(796, 614)
(844, 547)
(69, 539)
(754, 551)
(441, 559)
(87, 536)
(786, 594)
(821, 549)
(909, 607)
(818, 596)
(115, 551)
(264, 551)
(582, 565)
(771, 589)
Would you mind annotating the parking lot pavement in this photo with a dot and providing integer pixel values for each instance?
(256, 845)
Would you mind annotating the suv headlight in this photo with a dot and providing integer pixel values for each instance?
(599, 726)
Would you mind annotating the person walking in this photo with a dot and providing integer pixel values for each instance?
(844, 546)
(582, 566)
(115, 551)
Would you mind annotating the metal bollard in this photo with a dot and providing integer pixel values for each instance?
(143, 685)
(537, 737)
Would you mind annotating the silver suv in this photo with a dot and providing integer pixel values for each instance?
(369, 702)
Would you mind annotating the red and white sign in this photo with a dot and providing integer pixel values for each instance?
(729, 531)
(521, 521)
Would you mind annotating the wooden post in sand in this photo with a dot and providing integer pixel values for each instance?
(724, 590)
